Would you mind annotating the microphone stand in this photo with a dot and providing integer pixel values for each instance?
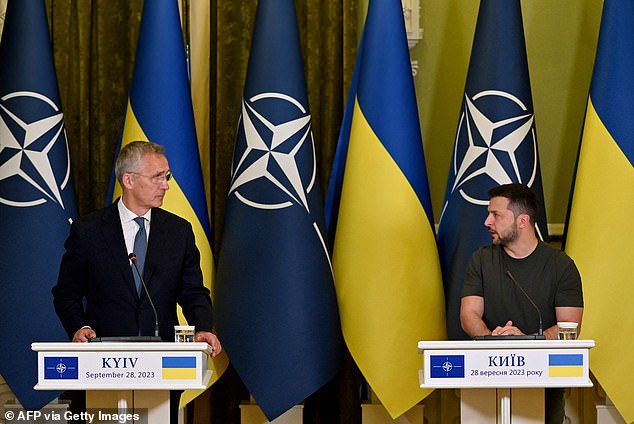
(540, 332)
(132, 258)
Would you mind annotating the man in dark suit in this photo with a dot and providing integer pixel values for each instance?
(95, 268)
(96, 292)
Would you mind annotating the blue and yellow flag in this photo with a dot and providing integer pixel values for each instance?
(387, 273)
(160, 110)
(565, 365)
(495, 144)
(599, 232)
(37, 198)
(178, 367)
(276, 307)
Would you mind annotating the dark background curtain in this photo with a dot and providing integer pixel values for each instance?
(94, 44)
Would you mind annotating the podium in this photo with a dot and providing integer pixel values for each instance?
(503, 381)
(123, 378)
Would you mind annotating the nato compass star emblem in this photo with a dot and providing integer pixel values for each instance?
(61, 368)
(447, 366)
(495, 130)
(31, 132)
(274, 163)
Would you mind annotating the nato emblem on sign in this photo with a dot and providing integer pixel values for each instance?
(495, 144)
(274, 162)
(447, 366)
(31, 133)
(61, 368)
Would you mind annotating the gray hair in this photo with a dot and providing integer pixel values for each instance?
(131, 154)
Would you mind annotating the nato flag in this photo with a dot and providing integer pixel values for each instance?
(447, 366)
(61, 368)
(275, 305)
(495, 144)
(37, 199)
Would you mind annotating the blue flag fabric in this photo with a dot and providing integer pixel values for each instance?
(160, 110)
(276, 307)
(37, 198)
(335, 185)
(495, 144)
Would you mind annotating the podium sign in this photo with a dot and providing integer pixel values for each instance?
(504, 380)
(154, 366)
(124, 376)
(490, 363)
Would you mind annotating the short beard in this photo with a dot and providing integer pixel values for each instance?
(512, 236)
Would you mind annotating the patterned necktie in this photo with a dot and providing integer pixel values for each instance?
(140, 249)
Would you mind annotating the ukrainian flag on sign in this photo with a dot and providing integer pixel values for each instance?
(599, 231)
(160, 110)
(565, 365)
(179, 367)
(387, 272)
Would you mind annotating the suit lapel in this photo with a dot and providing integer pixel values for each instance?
(115, 245)
(156, 244)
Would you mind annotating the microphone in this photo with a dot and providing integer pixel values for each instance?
(540, 332)
(132, 257)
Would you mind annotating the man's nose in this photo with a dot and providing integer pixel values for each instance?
(487, 221)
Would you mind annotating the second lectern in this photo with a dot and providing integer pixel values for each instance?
(503, 380)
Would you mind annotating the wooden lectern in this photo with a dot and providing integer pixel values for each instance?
(503, 381)
(123, 378)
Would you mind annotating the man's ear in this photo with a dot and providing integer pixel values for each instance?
(524, 220)
(126, 179)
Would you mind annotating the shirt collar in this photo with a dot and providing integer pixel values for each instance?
(127, 215)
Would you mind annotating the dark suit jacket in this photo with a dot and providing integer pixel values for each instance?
(95, 268)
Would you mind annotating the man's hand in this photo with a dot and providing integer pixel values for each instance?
(83, 335)
(507, 330)
(211, 339)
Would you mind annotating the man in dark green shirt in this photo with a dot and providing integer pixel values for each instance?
(547, 275)
(492, 303)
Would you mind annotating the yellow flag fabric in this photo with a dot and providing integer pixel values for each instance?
(385, 260)
(599, 233)
(387, 273)
(603, 197)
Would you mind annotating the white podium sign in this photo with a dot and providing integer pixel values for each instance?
(490, 363)
(154, 366)
(500, 380)
(124, 376)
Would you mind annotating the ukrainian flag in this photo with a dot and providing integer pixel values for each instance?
(387, 272)
(178, 367)
(565, 365)
(160, 110)
(599, 232)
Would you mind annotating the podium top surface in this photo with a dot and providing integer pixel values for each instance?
(504, 344)
(120, 347)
